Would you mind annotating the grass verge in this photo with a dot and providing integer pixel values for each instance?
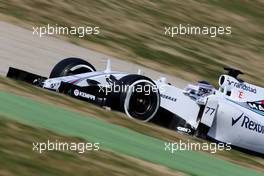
(116, 118)
(18, 158)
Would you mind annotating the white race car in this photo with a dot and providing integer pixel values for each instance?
(234, 113)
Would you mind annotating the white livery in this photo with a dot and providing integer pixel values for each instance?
(233, 113)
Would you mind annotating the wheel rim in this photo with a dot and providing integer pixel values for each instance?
(140, 105)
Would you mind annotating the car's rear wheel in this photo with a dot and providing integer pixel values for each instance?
(71, 66)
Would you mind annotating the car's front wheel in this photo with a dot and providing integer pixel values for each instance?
(71, 66)
(138, 97)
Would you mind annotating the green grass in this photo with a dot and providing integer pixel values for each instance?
(134, 30)
(18, 158)
(115, 138)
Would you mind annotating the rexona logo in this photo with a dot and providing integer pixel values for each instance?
(242, 86)
(77, 93)
(249, 124)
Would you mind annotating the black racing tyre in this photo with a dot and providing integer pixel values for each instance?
(139, 97)
(176, 122)
(201, 131)
(71, 66)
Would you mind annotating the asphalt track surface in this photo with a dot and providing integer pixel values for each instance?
(20, 48)
(113, 137)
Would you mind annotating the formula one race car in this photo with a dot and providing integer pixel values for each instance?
(232, 114)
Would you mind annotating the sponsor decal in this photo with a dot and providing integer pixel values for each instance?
(241, 94)
(168, 97)
(242, 86)
(78, 93)
(54, 85)
(234, 121)
(184, 130)
(257, 105)
(249, 124)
